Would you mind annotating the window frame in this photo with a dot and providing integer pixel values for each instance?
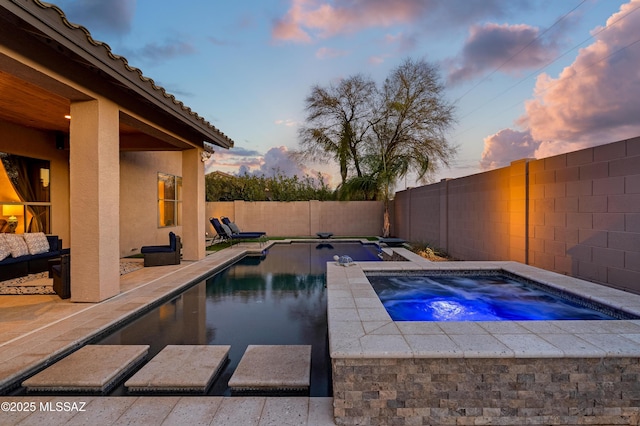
(162, 201)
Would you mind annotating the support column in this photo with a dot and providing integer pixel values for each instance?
(193, 205)
(94, 182)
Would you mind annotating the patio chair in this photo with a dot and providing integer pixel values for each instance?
(225, 233)
(163, 255)
(234, 228)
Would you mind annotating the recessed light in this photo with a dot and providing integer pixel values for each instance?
(68, 117)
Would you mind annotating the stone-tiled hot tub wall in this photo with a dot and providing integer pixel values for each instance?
(506, 391)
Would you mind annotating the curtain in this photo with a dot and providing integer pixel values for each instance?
(23, 172)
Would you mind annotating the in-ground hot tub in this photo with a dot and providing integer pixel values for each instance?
(491, 295)
(490, 372)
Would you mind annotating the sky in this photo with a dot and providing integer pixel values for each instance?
(528, 78)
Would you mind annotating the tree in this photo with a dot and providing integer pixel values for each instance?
(337, 123)
(409, 127)
(223, 187)
(381, 134)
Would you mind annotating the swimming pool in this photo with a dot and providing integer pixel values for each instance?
(278, 298)
(478, 296)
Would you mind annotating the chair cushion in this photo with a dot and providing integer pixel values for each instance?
(156, 249)
(17, 246)
(5, 251)
(234, 228)
(226, 229)
(37, 242)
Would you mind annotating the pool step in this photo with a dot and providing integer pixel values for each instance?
(273, 368)
(91, 369)
(180, 368)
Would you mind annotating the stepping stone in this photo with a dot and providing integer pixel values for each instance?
(273, 368)
(180, 368)
(92, 368)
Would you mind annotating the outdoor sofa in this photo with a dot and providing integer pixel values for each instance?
(24, 254)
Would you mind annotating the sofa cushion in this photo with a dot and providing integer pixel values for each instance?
(17, 245)
(5, 251)
(172, 241)
(36, 242)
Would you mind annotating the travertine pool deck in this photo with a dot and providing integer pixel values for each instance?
(359, 325)
(180, 368)
(37, 330)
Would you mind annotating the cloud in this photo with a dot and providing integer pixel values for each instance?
(404, 42)
(377, 60)
(242, 152)
(327, 53)
(154, 53)
(112, 17)
(278, 161)
(506, 146)
(593, 101)
(288, 122)
(493, 46)
(241, 160)
(307, 20)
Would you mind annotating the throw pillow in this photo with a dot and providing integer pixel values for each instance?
(16, 244)
(5, 251)
(36, 242)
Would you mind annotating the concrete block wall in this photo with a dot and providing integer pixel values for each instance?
(576, 213)
(585, 214)
(478, 216)
(301, 218)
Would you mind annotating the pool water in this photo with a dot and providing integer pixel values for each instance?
(474, 298)
(278, 298)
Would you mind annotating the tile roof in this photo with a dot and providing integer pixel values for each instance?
(134, 72)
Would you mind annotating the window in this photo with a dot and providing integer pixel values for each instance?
(25, 203)
(169, 200)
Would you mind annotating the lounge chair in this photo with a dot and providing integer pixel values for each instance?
(226, 234)
(234, 228)
(163, 255)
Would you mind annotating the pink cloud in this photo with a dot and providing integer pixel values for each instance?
(506, 146)
(493, 46)
(309, 19)
(593, 101)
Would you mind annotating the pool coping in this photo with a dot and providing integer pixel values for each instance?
(360, 327)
